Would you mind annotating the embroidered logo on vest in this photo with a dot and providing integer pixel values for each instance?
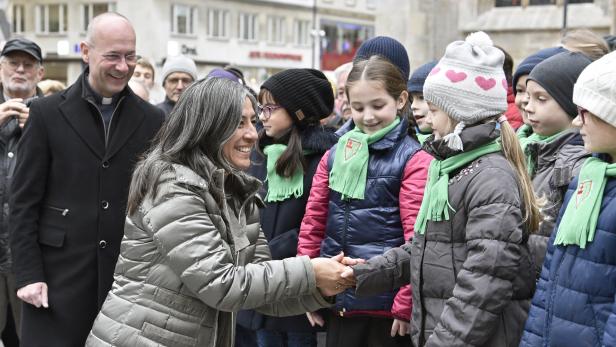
(351, 148)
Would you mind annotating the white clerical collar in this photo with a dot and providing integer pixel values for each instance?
(106, 101)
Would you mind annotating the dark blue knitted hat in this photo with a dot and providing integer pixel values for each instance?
(527, 65)
(416, 83)
(387, 47)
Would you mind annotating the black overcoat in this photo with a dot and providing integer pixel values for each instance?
(68, 201)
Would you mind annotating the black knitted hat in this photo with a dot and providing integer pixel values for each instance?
(557, 75)
(306, 94)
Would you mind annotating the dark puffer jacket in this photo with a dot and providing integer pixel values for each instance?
(557, 163)
(574, 302)
(368, 227)
(280, 221)
(472, 275)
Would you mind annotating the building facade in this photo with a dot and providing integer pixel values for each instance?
(519, 26)
(261, 37)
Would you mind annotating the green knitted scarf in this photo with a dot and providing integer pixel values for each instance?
(422, 137)
(281, 188)
(530, 160)
(578, 224)
(435, 202)
(523, 133)
(348, 174)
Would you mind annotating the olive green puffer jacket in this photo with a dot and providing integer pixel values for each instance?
(191, 257)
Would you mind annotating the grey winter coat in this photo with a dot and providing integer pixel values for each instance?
(472, 275)
(556, 164)
(193, 256)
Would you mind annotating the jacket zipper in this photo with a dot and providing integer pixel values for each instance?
(551, 292)
(63, 211)
(347, 211)
(110, 120)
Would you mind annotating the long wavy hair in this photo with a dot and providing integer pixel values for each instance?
(203, 120)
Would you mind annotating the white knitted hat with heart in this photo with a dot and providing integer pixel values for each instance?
(468, 83)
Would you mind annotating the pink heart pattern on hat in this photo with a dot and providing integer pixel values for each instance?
(505, 85)
(485, 84)
(455, 77)
(434, 71)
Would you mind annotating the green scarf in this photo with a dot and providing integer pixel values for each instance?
(435, 202)
(281, 188)
(578, 224)
(348, 174)
(530, 161)
(422, 137)
(523, 133)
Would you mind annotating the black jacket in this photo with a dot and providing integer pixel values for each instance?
(68, 206)
(281, 220)
(10, 132)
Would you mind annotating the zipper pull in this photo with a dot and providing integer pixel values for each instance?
(65, 212)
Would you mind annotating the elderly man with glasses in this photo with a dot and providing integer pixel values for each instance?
(20, 70)
(70, 188)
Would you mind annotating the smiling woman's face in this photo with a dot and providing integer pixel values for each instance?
(238, 148)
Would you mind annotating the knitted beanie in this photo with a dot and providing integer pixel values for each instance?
(306, 94)
(468, 83)
(595, 89)
(527, 65)
(388, 48)
(557, 75)
(180, 63)
(416, 83)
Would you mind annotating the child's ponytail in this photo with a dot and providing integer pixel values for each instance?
(514, 154)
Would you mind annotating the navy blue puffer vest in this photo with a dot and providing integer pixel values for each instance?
(369, 227)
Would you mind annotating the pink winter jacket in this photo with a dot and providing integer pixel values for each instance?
(312, 230)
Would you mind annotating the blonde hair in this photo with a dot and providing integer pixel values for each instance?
(49, 87)
(513, 152)
(585, 42)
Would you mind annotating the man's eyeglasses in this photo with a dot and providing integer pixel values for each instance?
(266, 110)
(117, 58)
(582, 112)
(14, 64)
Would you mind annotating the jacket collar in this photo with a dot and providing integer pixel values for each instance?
(85, 119)
(547, 153)
(473, 136)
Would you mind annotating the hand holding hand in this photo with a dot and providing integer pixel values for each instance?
(400, 327)
(34, 294)
(327, 272)
(315, 319)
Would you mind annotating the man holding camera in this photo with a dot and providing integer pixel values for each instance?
(21, 68)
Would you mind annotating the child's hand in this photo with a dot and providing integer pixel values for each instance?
(315, 318)
(400, 327)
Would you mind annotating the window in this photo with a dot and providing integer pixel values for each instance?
(275, 29)
(507, 3)
(217, 23)
(183, 19)
(18, 19)
(51, 19)
(89, 11)
(301, 32)
(542, 2)
(247, 27)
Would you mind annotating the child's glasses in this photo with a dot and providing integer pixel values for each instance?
(266, 110)
(582, 112)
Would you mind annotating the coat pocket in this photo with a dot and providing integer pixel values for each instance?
(166, 337)
(52, 223)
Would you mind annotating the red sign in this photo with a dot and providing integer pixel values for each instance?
(277, 56)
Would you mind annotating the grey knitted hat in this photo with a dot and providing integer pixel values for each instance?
(180, 63)
(468, 83)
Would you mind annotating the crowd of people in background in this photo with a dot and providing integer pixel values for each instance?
(468, 202)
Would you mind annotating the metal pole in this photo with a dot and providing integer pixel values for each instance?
(565, 4)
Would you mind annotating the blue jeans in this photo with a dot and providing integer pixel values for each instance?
(272, 338)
